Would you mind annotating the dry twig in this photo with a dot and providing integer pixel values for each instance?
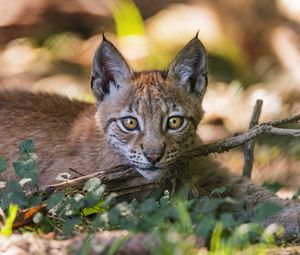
(249, 146)
(269, 128)
(129, 181)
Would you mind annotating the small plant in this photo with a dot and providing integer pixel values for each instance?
(177, 221)
(25, 166)
(7, 228)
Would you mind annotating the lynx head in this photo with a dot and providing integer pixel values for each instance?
(150, 117)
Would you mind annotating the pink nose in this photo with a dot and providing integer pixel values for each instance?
(153, 154)
(153, 157)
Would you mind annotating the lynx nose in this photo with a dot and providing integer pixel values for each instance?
(153, 156)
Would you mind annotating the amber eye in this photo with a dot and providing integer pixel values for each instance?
(175, 122)
(130, 123)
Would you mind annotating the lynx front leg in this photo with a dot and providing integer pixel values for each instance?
(205, 174)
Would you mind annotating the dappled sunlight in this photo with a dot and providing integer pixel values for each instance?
(18, 56)
(232, 102)
(179, 23)
(62, 84)
(285, 44)
(63, 45)
(290, 8)
(136, 49)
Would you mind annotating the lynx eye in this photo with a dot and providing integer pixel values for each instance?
(175, 122)
(130, 123)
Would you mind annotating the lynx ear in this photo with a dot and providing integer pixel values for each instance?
(110, 70)
(189, 68)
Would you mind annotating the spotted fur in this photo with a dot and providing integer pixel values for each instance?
(153, 99)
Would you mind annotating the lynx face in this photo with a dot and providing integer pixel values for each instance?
(150, 118)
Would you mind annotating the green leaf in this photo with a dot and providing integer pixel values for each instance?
(26, 168)
(127, 18)
(55, 199)
(210, 205)
(91, 199)
(95, 209)
(63, 177)
(114, 217)
(127, 223)
(69, 225)
(35, 200)
(92, 184)
(2, 165)
(184, 217)
(274, 187)
(110, 200)
(206, 225)
(6, 230)
(76, 204)
(101, 220)
(220, 190)
(149, 206)
(262, 211)
(26, 146)
(155, 193)
(215, 241)
(13, 194)
(227, 220)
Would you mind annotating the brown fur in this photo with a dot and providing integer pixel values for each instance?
(59, 127)
(85, 137)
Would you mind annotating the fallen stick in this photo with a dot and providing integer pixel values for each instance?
(127, 180)
(249, 146)
(117, 173)
(269, 128)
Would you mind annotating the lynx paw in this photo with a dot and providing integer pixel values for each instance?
(289, 218)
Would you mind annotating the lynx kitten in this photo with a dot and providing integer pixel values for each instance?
(146, 119)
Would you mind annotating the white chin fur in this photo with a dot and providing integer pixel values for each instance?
(151, 175)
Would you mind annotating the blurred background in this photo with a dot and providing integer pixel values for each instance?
(253, 46)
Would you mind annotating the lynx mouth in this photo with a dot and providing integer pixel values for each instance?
(151, 168)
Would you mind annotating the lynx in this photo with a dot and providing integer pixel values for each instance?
(145, 119)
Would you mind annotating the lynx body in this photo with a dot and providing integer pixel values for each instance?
(147, 120)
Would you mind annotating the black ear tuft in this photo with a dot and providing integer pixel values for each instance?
(109, 69)
(189, 68)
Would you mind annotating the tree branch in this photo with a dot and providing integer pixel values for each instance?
(237, 140)
(249, 146)
(129, 182)
(292, 119)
